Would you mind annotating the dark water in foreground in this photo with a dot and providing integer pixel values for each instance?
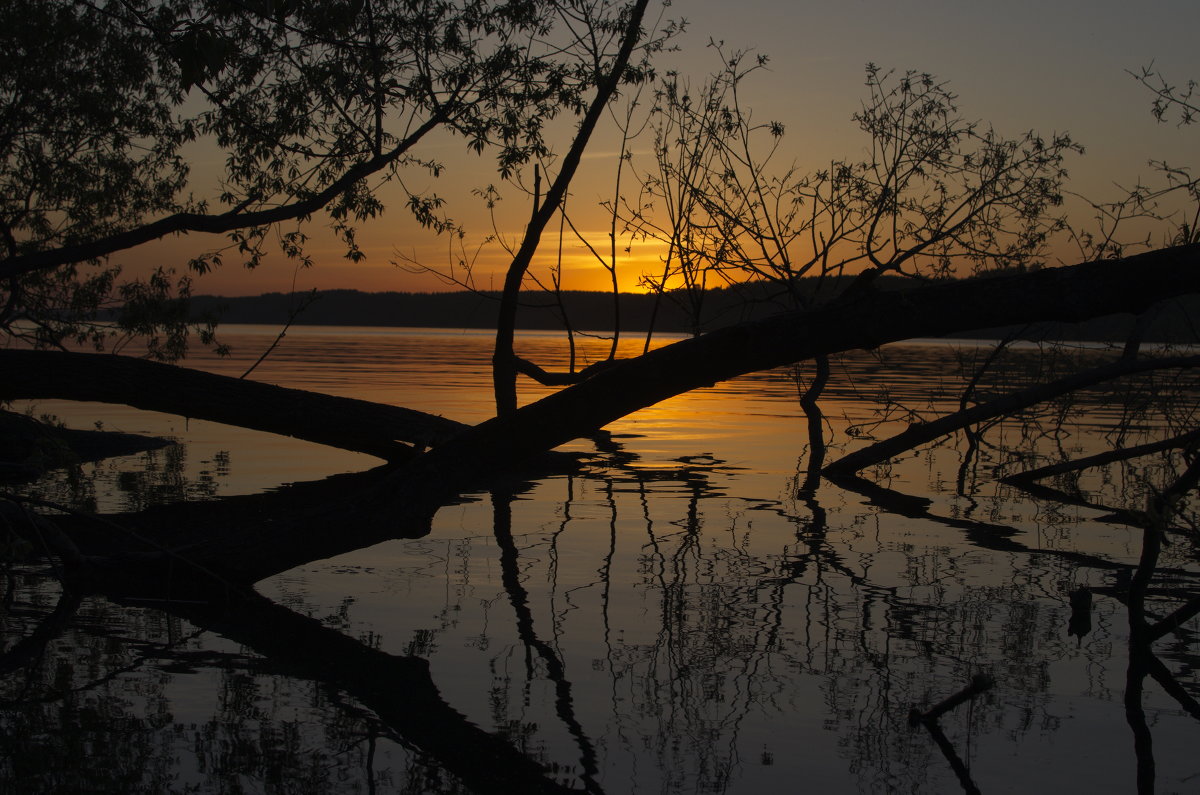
(680, 618)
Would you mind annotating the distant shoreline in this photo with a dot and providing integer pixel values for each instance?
(593, 312)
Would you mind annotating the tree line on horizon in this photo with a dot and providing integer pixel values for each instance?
(591, 311)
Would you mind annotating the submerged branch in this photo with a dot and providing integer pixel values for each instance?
(920, 433)
(1107, 457)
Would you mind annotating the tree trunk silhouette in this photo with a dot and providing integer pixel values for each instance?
(872, 319)
(358, 425)
(504, 368)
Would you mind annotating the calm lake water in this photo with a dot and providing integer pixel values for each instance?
(678, 617)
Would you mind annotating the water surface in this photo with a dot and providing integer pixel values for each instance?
(679, 617)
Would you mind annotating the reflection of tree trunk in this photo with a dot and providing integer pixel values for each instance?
(1135, 715)
(204, 549)
(966, 467)
(920, 433)
(398, 689)
(555, 671)
(1139, 651)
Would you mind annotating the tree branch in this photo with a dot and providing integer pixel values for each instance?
(920, 433)
(547, 378)
(235, 218)
(350, 424)
(1107, 457)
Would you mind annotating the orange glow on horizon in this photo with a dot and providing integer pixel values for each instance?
(383, 270)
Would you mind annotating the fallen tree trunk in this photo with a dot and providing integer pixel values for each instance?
(358, 425)
(872, 319)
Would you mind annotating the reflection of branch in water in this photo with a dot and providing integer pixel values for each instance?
(398, 689)
(1051, 494)
(970, 456)
(980, 683)
(695, 641)
(1107, 457)
(1135, 715)
(1141, 660)
(1159, 512)
(681, 677)
(1174, 620)
(29, 651)
(986, 535)
(812, 535)
(556, 616)
(606, 572)
(1170, 684)
(956, 764)
(1161, 508)
(1027, 481)
(511, 575)
(679, 558)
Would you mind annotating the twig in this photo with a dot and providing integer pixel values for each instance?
(305, 303)
(980, 683)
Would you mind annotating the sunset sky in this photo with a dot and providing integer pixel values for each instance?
(1051, 66)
